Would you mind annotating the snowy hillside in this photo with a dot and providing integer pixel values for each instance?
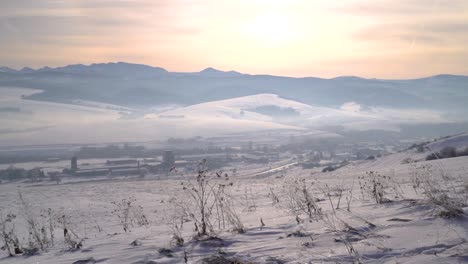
(415, 154)
(459, 142)
(26, 122)
(273, 108)
(405, 229)
(260, 112)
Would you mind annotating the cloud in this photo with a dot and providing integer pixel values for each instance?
(351, 107)
(86, 16)
(26, 130)
(401, 7)
(85, 23)
(440, 33)
(428, 23)
(185, 35)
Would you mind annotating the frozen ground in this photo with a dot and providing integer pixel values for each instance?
(406, 230)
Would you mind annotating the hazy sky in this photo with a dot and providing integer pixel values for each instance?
(327, 38)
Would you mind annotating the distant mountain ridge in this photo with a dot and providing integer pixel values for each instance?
(116, 68)
(138, 85)
(209, 71)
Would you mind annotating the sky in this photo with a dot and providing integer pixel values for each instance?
(368, 38)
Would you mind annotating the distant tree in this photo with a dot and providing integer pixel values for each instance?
(432, 156)
(12, 173)
(448, 152)
(35, 174)
(329, 169)
(420, 148)
(463, 152)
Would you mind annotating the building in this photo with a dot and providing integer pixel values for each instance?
(74, 165)
(168, 159)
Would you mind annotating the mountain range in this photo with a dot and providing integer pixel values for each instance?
(140, 86)
(122, 102)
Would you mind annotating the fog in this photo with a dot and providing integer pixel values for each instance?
(32, 122)
(122, 110)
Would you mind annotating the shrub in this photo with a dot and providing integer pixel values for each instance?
(274, 198)
(8, 235)
(129, 213)
(329, 169)
(374, 185)
(299, 199)
(208, 202)
(407, 161)
(441, 190)
(338, 226)
(175, 222)
(39, 235)
(71, 239)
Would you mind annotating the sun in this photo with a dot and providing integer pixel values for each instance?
(272, 28)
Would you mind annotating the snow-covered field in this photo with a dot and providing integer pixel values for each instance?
(405, 230)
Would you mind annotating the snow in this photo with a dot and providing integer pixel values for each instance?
(96, 122)
(410, 157)
(459, 142)
(242, 107)
(406, 230)
(349, 115)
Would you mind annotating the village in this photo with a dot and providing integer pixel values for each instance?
(124, 160)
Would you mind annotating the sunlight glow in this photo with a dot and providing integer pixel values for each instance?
(271, 28)
(294, 37)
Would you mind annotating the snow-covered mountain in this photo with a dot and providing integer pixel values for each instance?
(273, 108)
(430, 107)
(137, 85)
